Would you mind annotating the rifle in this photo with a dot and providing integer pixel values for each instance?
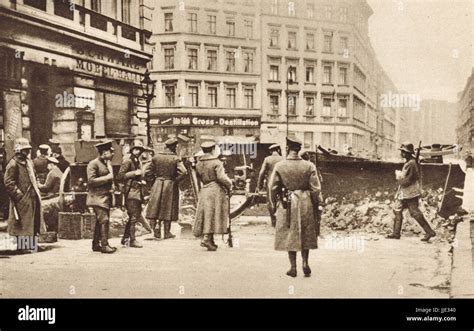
(417, 160)
(229, 230)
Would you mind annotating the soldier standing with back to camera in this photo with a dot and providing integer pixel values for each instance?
(408, 194)
(41, 163)
(265, 173)
(166, 170)
(295, 187)
(130, 174)
(212, 214)
(100, 178)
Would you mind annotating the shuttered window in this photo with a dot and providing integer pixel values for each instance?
(117, 115)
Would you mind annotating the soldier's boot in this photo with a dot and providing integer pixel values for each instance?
(207, 242)
(306, 268)
(211, 238)
(397, 226)
(96, 239)
(292, 272)
(167, 234)
(429, 233)
(126, 234)
(133, 241)
(273, 219)
(157, 229)
(106, 248)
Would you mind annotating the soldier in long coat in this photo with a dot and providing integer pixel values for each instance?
(41, 163)
(294, 192)
(408, 194)
(165, 170)
(25, 215)
(100, 179)
(264, 175)
(212, 214)
(130, 174)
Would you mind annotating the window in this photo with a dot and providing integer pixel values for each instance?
(211, 21)
(274, 72)
(326, 107)
(344, 44)
(96, 5)
(248, 94)
(169, 58)
(310, 10)
(308, 140)
(230, 95)
(292, 40)
(309, 106)
(230, 61)
(328, 12)
(343, 75)
(342, 110)
(38, 4)
(248, 62)
(328, 43)
(170, 95)
(274, 38)
(344, 14)
(126, 5)
(359, 110)
(291, 9)
(326, 139)
(168, 22)
(192, 22)
(292, 99)
(117, 115)
(230, 27)
(274, 8)
(310, 41)
(193, 92)
(292, 74)
(249, 28)
(193, 58)
(274, 104)
(212, 59)
(327, 74)
(212, 96)
(309, 74)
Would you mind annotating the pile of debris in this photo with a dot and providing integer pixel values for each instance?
(373, 213)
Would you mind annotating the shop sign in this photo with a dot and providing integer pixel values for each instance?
(208, 121)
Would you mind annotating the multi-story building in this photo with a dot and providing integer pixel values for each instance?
(465, 119)
(437, 122)
(207, 64)
(72, 69)
(320, 77)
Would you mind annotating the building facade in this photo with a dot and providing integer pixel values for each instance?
(207, 66)
(72, 69)
(465, 118)
(320, 77)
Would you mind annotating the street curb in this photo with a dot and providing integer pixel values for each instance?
(462, 271)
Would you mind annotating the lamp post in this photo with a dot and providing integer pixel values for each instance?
(289, 81)
(148, 89)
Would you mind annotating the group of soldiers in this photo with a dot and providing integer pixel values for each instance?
(293, 187)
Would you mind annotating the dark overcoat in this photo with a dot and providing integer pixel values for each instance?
(41, 167)
(99, 184)
(212, 214)
(299, 229)
(20, 183)
(165, 170)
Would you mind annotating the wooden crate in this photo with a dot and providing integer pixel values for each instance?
(75, 226)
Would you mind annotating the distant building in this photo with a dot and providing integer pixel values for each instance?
(72, 69)
(436, 122)
(207, 63)
(465, 119)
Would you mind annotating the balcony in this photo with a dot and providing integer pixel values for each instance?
(63, 15)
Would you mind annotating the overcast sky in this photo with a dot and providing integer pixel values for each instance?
(425, 46)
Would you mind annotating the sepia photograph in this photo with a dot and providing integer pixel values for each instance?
(237, 149)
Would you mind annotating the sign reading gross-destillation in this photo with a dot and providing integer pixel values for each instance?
(208, 121)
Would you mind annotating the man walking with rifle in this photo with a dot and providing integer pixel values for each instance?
(212, 214)
(408, 194)
(130, 174)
